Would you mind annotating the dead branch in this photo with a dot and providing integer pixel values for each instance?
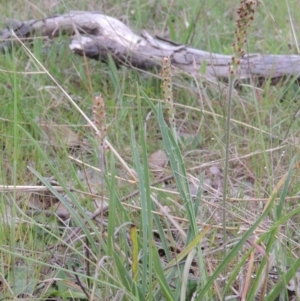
(99, 36)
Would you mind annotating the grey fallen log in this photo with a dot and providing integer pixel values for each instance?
(98, 36)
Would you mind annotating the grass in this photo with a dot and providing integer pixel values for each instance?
(151, 239)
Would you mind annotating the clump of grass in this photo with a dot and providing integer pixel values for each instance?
(157, 263)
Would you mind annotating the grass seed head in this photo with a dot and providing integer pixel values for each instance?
(167, 89)
(99, 116)
(245, 16)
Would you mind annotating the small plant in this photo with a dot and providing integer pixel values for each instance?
(245, 16)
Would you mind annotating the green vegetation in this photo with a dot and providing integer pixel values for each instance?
(83, 221)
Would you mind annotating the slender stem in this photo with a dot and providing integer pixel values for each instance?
(226, 165)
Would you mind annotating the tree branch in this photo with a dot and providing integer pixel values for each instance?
(99, 36)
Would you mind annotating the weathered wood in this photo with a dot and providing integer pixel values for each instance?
(98, 36)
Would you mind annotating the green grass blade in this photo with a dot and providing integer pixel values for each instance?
(233, 252)
(83, 216)
(159, 273)
(185, 275)
(112, 218)
(162, 234)
(79, 220)
(178, 167)
(283, 281)
(193, 244)
(284, 191)
(144, 188)
(131, 287)
(135, 252)
(171, 29)
(172, 267)
(114, 74)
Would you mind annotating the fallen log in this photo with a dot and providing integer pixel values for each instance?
(98, 36)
